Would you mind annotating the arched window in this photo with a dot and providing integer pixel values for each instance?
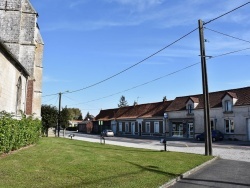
(18, 96)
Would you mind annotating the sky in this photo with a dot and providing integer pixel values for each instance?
(98, 50)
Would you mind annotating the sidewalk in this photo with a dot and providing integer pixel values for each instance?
(220, 173)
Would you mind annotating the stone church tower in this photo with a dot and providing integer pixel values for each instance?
(19, 31)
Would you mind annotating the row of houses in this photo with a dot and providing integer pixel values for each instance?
(184, 116)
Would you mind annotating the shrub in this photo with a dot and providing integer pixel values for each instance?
(15, 134)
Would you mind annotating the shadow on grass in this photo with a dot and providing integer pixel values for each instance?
(123, 149)
(152, 169)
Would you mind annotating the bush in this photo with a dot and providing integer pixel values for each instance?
(15, 134)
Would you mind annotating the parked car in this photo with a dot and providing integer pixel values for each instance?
(107, 132)
(216, 135)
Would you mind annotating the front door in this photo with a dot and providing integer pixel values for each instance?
(190, 130)
(114, 128)
(133, 128)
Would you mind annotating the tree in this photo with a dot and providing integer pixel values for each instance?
(123, 102)
(75, 113)
(49, 117)
(88, 117)
(65, 117)
(80, 117)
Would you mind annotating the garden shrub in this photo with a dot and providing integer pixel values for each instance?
(15, 134)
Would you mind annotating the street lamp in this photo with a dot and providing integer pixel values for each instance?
(165, 140)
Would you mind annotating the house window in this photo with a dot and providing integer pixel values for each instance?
(190, 109)
(126, 127)
(147, 127)
(229, 126)
(228, 106)
(156, 127)
(120, 126)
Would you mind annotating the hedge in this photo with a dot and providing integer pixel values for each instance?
(15, 134)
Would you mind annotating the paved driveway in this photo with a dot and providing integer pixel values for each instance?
(220, 173)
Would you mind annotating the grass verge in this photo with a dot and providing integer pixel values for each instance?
(59, 162)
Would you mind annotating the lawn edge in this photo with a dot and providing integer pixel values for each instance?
(184, 175)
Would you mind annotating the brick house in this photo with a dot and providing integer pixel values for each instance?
(20, 59)
(229, 113)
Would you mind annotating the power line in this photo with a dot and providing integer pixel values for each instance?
(226, 13)
(134, 87)
(136, 63)
(161, 77)
(227, 35)
(104, 80)
(230, 53)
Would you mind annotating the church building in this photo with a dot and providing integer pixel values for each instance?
(21, 52)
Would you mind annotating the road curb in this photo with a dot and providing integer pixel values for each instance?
(184, 175)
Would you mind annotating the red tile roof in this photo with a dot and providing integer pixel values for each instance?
(138, 111)
(215, 99)
(157, 109)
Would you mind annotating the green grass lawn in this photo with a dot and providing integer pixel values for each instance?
(59, 162)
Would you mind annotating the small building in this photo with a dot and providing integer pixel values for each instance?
(85, 127)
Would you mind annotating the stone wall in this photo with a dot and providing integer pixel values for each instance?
(19, 32)
(10, 73)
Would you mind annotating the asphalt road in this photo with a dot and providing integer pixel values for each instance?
(233, 150)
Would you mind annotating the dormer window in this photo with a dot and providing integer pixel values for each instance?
(228, 106)
(190, 109)
(191, 104)
(229, 99)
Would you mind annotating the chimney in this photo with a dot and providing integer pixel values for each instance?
(135, 103)
(164, 99)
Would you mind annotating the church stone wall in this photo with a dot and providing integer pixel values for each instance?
(19, 32)
(9, 75)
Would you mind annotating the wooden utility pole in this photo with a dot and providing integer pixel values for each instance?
(207, 125)
(59, 115)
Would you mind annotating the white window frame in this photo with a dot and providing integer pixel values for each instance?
(132, 125)
(147, 127)
(156, 127)
(126, 127)
(120, 126)
(228, 106)
(229, 126)
(190, 109)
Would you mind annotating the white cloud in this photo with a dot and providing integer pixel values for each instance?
(77, 3)
(51, 79)
(159, 13)
(138, 5)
